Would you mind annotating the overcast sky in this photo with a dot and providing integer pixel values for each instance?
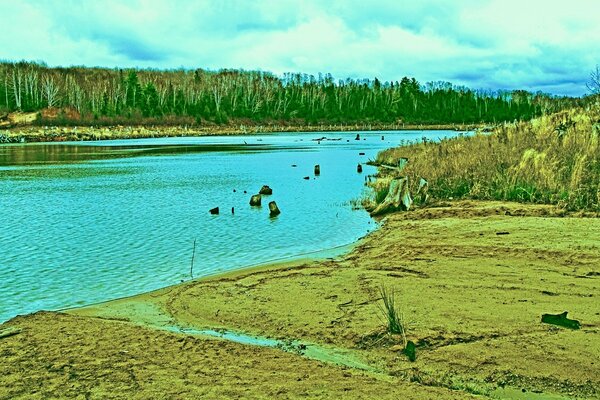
(547, 45)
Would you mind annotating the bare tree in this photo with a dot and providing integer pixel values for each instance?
(594, 84)
(50, 90)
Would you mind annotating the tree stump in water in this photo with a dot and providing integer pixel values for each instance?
(359, 168)
(273, 209)
(255, 200)
(357, 136)
(214, 211)
(398, 198)
(265, 190)
(317, 169)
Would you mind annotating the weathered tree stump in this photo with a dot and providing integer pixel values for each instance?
(398, 198)
(214, 211)
(422, 194)
(265, 190)
(317, 169)
(273, 209)
(255, 200)
(359, 168)
(561, 320)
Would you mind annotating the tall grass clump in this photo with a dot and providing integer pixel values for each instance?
(392, 316)
(553, 159)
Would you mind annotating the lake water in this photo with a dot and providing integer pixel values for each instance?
(89, 221)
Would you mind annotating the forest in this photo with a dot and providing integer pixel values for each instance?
(102, 96)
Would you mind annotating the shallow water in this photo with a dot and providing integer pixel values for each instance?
(87, 222)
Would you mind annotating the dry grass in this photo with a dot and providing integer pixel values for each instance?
(554, 159)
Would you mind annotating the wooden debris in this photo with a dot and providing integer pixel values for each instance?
(561, 320)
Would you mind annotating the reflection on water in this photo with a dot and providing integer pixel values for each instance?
(86, 222)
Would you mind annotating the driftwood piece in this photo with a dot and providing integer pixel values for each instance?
(11, 331)
(561, 320)
(398, 198)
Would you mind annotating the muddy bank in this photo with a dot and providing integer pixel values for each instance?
(473, 281)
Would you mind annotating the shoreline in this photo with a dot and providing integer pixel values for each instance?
(268, 265)
(33, 134)
(451, 264)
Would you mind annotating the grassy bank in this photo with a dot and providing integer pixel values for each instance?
(553, 159)
(472, 300)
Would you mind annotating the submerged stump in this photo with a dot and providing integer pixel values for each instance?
(359, 168)
(255, 200)
(273, 209)
(317, 169)
(265, 190)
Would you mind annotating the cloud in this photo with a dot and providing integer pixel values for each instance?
(496, 44)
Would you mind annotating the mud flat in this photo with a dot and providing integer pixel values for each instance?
(473, 280)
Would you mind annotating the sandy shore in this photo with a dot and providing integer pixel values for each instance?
(473, 280)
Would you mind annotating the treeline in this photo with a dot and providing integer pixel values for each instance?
(95, 95)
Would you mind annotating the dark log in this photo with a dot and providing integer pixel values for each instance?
(306, 177)
(561, 320)
(214, 211)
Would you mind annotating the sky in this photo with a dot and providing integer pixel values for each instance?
(537, 45)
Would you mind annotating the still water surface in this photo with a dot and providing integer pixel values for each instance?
(87, 222)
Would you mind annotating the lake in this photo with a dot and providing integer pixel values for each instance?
(84, 222)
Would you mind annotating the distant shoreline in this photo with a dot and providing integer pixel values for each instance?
(30, 133)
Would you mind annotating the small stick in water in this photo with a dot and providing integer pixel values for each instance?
(192, 266)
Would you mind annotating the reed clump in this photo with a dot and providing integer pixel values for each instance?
(553, 159)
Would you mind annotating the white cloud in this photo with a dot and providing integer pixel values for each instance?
(536, 45)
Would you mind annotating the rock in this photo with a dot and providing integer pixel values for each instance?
(214, 211)
(561, 320)
(357, 136)
(306, 177)
(382, 137)
(294, 165)
(265, 190)
(273, 209)
(411, 350)
(359, 168)
(255, 200)
(317, 169)
(361, 154)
